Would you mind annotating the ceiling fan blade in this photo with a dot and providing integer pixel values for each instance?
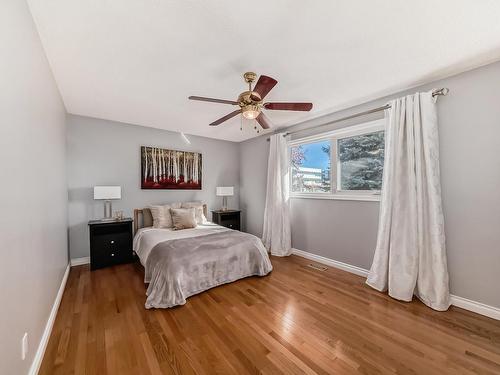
(289, 106)
(264, 85)
(203, 99)
(225, 118)
(263, 120)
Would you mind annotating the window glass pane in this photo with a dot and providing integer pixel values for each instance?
(310, 166)
(361, 160)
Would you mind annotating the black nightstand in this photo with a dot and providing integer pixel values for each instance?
(110, 243)
(229, 219)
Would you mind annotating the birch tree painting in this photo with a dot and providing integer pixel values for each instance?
(170, 169)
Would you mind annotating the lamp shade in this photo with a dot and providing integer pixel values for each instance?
(107, 192)
(224, 191)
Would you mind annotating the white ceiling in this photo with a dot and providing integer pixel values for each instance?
(137, 61)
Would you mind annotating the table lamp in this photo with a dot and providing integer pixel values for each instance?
(107, 193)
(224, 192)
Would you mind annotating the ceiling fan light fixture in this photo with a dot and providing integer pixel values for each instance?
(250, 112)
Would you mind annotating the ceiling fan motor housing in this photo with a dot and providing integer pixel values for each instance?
(250, 103)
(249, 98)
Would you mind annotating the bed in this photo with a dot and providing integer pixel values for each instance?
(181, 263)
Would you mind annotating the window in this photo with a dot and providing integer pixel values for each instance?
(341, 164)
(310, 167)
(361, 162)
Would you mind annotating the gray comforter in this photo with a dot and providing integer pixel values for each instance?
(177, 269)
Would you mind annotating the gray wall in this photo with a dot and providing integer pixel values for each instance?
(102, 152)
(33, 195)
(469, 124)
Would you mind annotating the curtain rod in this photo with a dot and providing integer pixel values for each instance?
(443, 91)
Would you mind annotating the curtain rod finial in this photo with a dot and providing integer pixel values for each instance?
(442, 91)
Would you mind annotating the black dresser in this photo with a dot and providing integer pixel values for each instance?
(229, 218)
(110, 242)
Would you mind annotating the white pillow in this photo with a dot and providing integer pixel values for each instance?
(175, 205)
(199, 215)
(161, 216)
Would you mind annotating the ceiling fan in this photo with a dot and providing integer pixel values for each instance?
(251, 101)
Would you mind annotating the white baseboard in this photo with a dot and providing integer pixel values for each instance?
(37, 360)
(477, 307)
(464, 303)
(80, 261)
(330, 262)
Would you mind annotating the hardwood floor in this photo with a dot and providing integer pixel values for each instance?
(295, 321)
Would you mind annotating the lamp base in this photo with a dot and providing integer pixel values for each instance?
(224, 203)
(108, 210)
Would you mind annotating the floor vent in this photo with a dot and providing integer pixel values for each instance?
(317, 267)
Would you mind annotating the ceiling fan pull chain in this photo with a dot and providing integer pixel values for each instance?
(255, 126)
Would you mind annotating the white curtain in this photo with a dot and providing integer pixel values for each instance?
(410, 256)
(276, 232)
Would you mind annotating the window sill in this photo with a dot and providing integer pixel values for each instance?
(344, 197)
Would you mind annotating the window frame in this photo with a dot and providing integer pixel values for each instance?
(333, 136)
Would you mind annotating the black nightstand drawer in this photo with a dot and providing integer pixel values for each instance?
(228, 219)
(102, 259)
(110, 243)
(114, 241)
(233, 224)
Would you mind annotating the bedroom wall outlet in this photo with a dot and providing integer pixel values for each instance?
(24, 346)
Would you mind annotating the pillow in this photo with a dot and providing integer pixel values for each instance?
(175, 205)
(199, 215)
(161, 216)
(183, 218)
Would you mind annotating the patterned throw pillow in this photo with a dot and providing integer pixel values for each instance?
(161, 216)
(183, 218)
(198, 206)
